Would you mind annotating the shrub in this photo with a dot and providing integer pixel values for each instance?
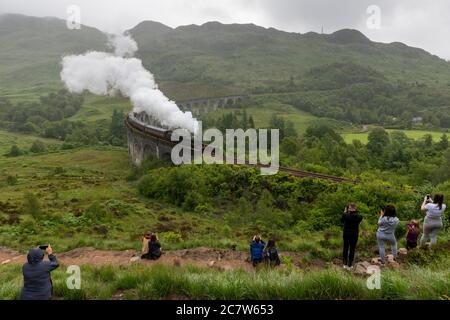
(31, 205)
(11, 180)
(14, 151)
(37, 147)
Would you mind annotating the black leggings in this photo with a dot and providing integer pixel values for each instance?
(350, 241)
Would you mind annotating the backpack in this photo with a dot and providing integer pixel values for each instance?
(272, 255)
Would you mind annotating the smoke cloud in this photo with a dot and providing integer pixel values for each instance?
(105, 73)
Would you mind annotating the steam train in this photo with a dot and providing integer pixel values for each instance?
(138, 124)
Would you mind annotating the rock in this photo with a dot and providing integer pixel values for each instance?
(402, 251)
(211, 263)
(375, 261)
(134, 259)
(360, 268)
(370, 269)
(394, 264)
(6, 261)
(365, 264)
(390, 258)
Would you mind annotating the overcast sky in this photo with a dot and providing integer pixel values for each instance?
(417, 23)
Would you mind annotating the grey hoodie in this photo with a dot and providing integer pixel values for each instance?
(387, 225)
(37, 283)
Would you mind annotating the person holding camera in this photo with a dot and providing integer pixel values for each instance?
(432, 224)
(37, 281)
(351, 220)
(257, 250)
(387, 223)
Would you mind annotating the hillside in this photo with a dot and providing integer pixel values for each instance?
(32, 49)
(248, 55)
(213, 58)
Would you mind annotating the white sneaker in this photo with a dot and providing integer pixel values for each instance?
(345, 266)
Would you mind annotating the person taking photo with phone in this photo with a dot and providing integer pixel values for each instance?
(37, 281)
(432, 224)
(387, 223)
(351, 220)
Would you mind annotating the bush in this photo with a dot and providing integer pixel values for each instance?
(14, 151)
(38, 147)
(31, 205)
(11, 180)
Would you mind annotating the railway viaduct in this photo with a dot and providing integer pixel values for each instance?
(197, 106)
(146, 140)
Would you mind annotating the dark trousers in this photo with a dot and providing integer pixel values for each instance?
(411, 245)
(350, 241)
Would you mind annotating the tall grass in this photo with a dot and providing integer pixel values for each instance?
(163, 282)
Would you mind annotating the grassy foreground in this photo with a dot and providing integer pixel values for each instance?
(162, 282)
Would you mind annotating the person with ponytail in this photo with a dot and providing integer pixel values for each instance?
(432, 224)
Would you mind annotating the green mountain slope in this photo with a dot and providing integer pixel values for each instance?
(236, 56)
(31, 49)
(248, 55)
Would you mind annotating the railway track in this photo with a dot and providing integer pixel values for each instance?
(307, 174)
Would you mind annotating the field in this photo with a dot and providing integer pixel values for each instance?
(23, 141)
(413, 134)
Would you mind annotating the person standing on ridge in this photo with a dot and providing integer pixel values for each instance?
(351, 220)
(387, 223)
(432, 224)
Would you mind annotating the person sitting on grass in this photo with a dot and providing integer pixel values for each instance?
(256, 250)
(154, 248)
(145, 241)
(413, 234)
(37, 281)
(271, 254)
(387, 223)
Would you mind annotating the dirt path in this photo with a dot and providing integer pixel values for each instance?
(222, 259)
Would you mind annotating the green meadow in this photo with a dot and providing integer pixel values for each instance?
(412, 134)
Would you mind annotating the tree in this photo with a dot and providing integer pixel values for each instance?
(31, 205)
(443, 143)
(251, 122)
(117, 129)
(378, 141)
(244, 120)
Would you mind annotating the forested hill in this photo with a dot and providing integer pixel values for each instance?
(248, 55)
(243, 55)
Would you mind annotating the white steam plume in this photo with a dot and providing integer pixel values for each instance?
(104, 73)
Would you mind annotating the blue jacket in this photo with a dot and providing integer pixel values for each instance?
(37, 283)
(256, 250)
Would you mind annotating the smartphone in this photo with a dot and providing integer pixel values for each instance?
(43, 247)
(428, 197)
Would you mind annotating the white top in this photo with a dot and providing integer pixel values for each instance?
(433, 210)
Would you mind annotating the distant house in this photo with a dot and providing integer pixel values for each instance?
(417, 120)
